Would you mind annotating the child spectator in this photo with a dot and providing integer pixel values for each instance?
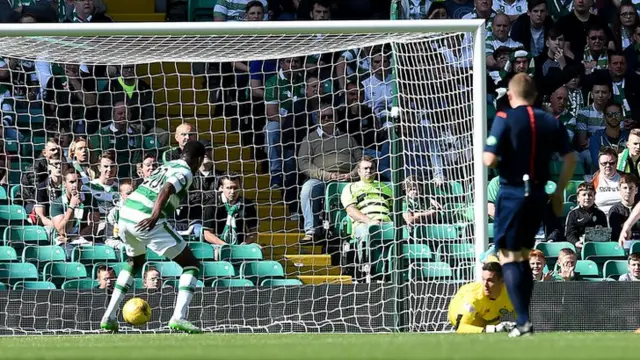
(620, 212)
(585, 215)
(634, 269)
(106, 277)
(537, 262)
(567, 260)
(152, 279)
(420, 208)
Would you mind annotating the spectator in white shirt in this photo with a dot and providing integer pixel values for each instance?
(607, 180)
(499, 37)
(512, 8)
(378, 89)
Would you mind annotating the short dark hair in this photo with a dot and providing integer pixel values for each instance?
(368, 158)
(231, 176)
(494, 267)
(253, 3)
(108, 154)
(70, 170)
(106, 268)
(553, 33)
(534, 3)
(634, 257)
(608, 151)
(611, 53)
(628, 179)
(323, 3)
(193, 150)
(585, 186)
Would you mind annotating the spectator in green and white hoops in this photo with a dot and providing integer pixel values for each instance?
(235, 10)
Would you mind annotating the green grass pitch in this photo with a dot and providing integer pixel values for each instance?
(323, 346)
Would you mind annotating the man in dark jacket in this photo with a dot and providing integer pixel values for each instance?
(531, 28)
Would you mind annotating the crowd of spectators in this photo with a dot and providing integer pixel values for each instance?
(322, 118)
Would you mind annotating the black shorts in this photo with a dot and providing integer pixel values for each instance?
(518, 218)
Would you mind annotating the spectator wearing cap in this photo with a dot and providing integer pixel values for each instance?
(184, 134)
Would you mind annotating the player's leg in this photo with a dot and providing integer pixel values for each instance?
(166, 241)
(510, 216)
(136, 251)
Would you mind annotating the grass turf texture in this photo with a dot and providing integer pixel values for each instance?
(323, 346)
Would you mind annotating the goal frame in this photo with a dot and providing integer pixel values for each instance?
(476, 27)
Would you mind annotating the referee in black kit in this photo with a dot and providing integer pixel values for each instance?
(520, 145)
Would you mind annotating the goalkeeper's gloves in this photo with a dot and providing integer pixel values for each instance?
(505, 326)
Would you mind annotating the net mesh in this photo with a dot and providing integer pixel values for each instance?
(259, 101)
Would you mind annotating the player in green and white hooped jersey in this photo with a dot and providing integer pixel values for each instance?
(143, 224)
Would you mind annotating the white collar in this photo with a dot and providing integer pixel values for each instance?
(321, 132)
(113, 128)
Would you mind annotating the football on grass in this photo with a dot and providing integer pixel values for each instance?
(136, 311)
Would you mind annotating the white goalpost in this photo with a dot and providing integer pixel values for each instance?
(411, 94)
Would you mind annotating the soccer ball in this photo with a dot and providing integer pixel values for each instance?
(136, 311)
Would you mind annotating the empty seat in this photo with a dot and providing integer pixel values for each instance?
(93, 254)
(167, 269)
(58, 272)
(34, 285)
(12, 214)
(231, 283)
(8, 254)
(175, 283)
(211, 270)
(256, 271)
(78, 284)
(238, 253)
(26, 235)
(203, 251)
(3, 287)
(281, 282)
(434, 271)
(416, 252)
(601, 252)
(436, 232)
(615, 268)
(11, 273)
(41, 255)
(587, 268)
(456, 252)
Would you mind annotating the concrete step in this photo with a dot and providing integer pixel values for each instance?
(165, 82)
(322, 279)
(231, 154)
(217, 126)
(275, 211)
(293, 271)
(277, 225)
(247, 167)
(180, 96)
(308, 260)
(256, 181)
(276, 252)
(164, 69)
(279, 239)
(186, 111)
(130, 7)
(148, 17)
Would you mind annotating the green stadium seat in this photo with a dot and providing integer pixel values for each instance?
(201, 10)
(26, 235)
(490, 231)
(281, 282)
(456, 252)
(601, 252)
(237, 253)
(149, 142)
(333, 209)
(138, 284)
(152, 256)
(59, 272)
(587, 269)
(436, 232)
(41, 255)
(13, 272)
(175, 283)
(14, 193)
(3, 194)
(12, 214)
(78, 284)
(3, 287)
(571, 190)
(8, 254)
(93, 254)
(231, 283)
(211, 270)
(167, 269)
(203, 251)
(566, 207)
(635, 247)
(579, 172)
(615, 268)
(437, 271)
(416, 253)
(34, 285)
(256, 271)
(594, 279)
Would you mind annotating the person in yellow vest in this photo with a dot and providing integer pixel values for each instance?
(479, 307)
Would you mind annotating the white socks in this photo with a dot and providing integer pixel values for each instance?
(123, 283)
(186, 286)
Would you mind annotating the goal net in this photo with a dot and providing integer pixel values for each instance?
(294, 117)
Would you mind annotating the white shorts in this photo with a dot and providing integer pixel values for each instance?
(162, 240)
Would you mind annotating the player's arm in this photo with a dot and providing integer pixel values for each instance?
(498, 130)
(149, 223)
(625, 234)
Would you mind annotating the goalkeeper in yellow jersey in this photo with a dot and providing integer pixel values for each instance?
(478, 307)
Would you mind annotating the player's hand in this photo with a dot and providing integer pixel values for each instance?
(75, 200)
(146, 224)
(505, 326)
(557, 202)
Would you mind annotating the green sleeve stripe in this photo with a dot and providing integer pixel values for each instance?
(191, 270)
(124, 289)
(186, 288)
